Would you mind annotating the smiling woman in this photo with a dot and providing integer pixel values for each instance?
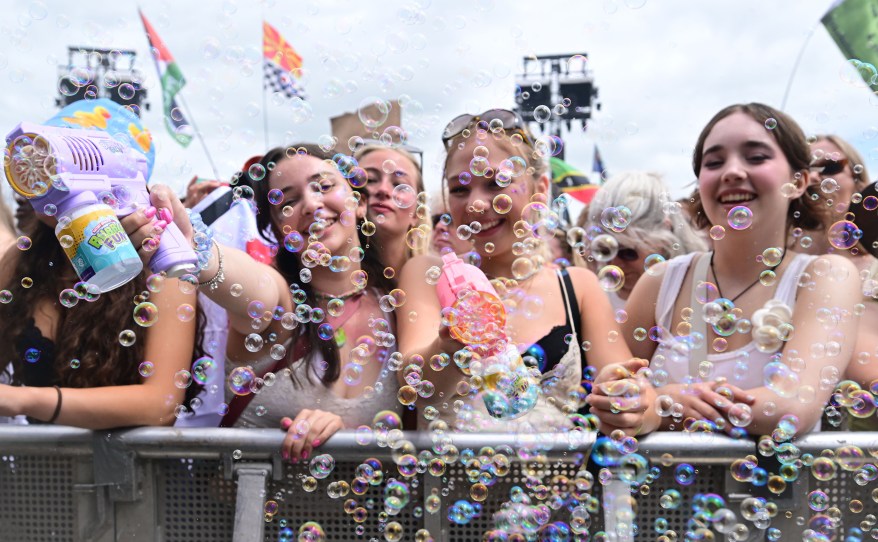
(394, 185)
(497, 192)
(314, 323)
(741, 338)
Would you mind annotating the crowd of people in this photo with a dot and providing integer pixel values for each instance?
(748, 307)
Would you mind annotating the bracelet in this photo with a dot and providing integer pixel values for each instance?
(220, 276)
(201, 240)
(57, 406)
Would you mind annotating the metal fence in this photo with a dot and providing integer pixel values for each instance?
(67, 484)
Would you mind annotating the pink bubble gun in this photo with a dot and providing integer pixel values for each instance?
(477, 318)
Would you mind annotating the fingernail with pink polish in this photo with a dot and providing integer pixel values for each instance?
(165, 214)
(285, 454)
(161, 225)
(149, 212)
(316, 443)
(305, 455)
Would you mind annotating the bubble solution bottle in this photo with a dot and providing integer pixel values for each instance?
(96, 244)
(477, 318)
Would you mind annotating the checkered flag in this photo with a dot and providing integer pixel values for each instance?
(280, 80)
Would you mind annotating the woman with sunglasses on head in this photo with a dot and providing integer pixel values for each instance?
(394, 183)
(631, 218)
(307, 333)
(838, 172)
(497, 185)
(743, 337)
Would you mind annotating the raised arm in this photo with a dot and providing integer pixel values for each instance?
(253, 281)
(424, 335)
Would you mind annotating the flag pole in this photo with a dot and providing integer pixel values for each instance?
(264, 114)
(198, 135)
(264, 101)
(798, 61)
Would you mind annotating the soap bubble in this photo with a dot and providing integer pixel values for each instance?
(404, 196)
(740, 217)
(684, 474)
(127, 337)
(146, 369)
(611, 278)
(844, 235)
(311, 531)
(604, 247)
(240, 380)
(146, 314)
(373, 112)
(321, 466)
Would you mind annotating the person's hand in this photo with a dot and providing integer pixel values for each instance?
(709, 401)
(196, 191)
(620, 398)
(144, 227)
(170, 208)
(309, 430)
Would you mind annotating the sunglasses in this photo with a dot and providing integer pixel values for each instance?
(488, 121)
(829, 167)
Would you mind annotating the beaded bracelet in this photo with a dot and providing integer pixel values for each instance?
(220, 276)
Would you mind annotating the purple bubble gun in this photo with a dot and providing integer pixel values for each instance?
(57, 169)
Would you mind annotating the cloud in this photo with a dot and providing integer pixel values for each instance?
(663, 68)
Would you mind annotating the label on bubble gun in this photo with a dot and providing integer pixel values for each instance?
(94, 241)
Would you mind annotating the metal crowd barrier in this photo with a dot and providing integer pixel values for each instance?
(166, 484)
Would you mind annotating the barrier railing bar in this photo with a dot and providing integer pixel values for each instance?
(211, 443)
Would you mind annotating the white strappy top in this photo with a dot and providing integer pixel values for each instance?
(742, 367)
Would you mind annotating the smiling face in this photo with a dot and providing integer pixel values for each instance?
(743, 165)
(392, 189)
(481, 199)
(316, 199)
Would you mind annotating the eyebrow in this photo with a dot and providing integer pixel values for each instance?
(396, 172)
(752, 144)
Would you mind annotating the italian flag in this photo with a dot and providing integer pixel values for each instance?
(172, 81)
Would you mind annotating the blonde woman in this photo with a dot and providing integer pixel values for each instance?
(394, 182)
(497, 189)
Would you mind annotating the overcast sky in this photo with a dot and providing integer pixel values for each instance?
(663, 69)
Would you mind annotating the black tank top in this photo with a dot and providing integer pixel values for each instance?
(549, 350)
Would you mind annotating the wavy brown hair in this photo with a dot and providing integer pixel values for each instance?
(288, 263)
(88, 331)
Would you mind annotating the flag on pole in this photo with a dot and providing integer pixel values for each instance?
(569, 180)
(172, 81)
(853, 24)
(282, 63)
(597, 164)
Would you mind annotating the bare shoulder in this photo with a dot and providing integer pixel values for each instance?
(832, 264)
(583, 279)
(417, 266)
